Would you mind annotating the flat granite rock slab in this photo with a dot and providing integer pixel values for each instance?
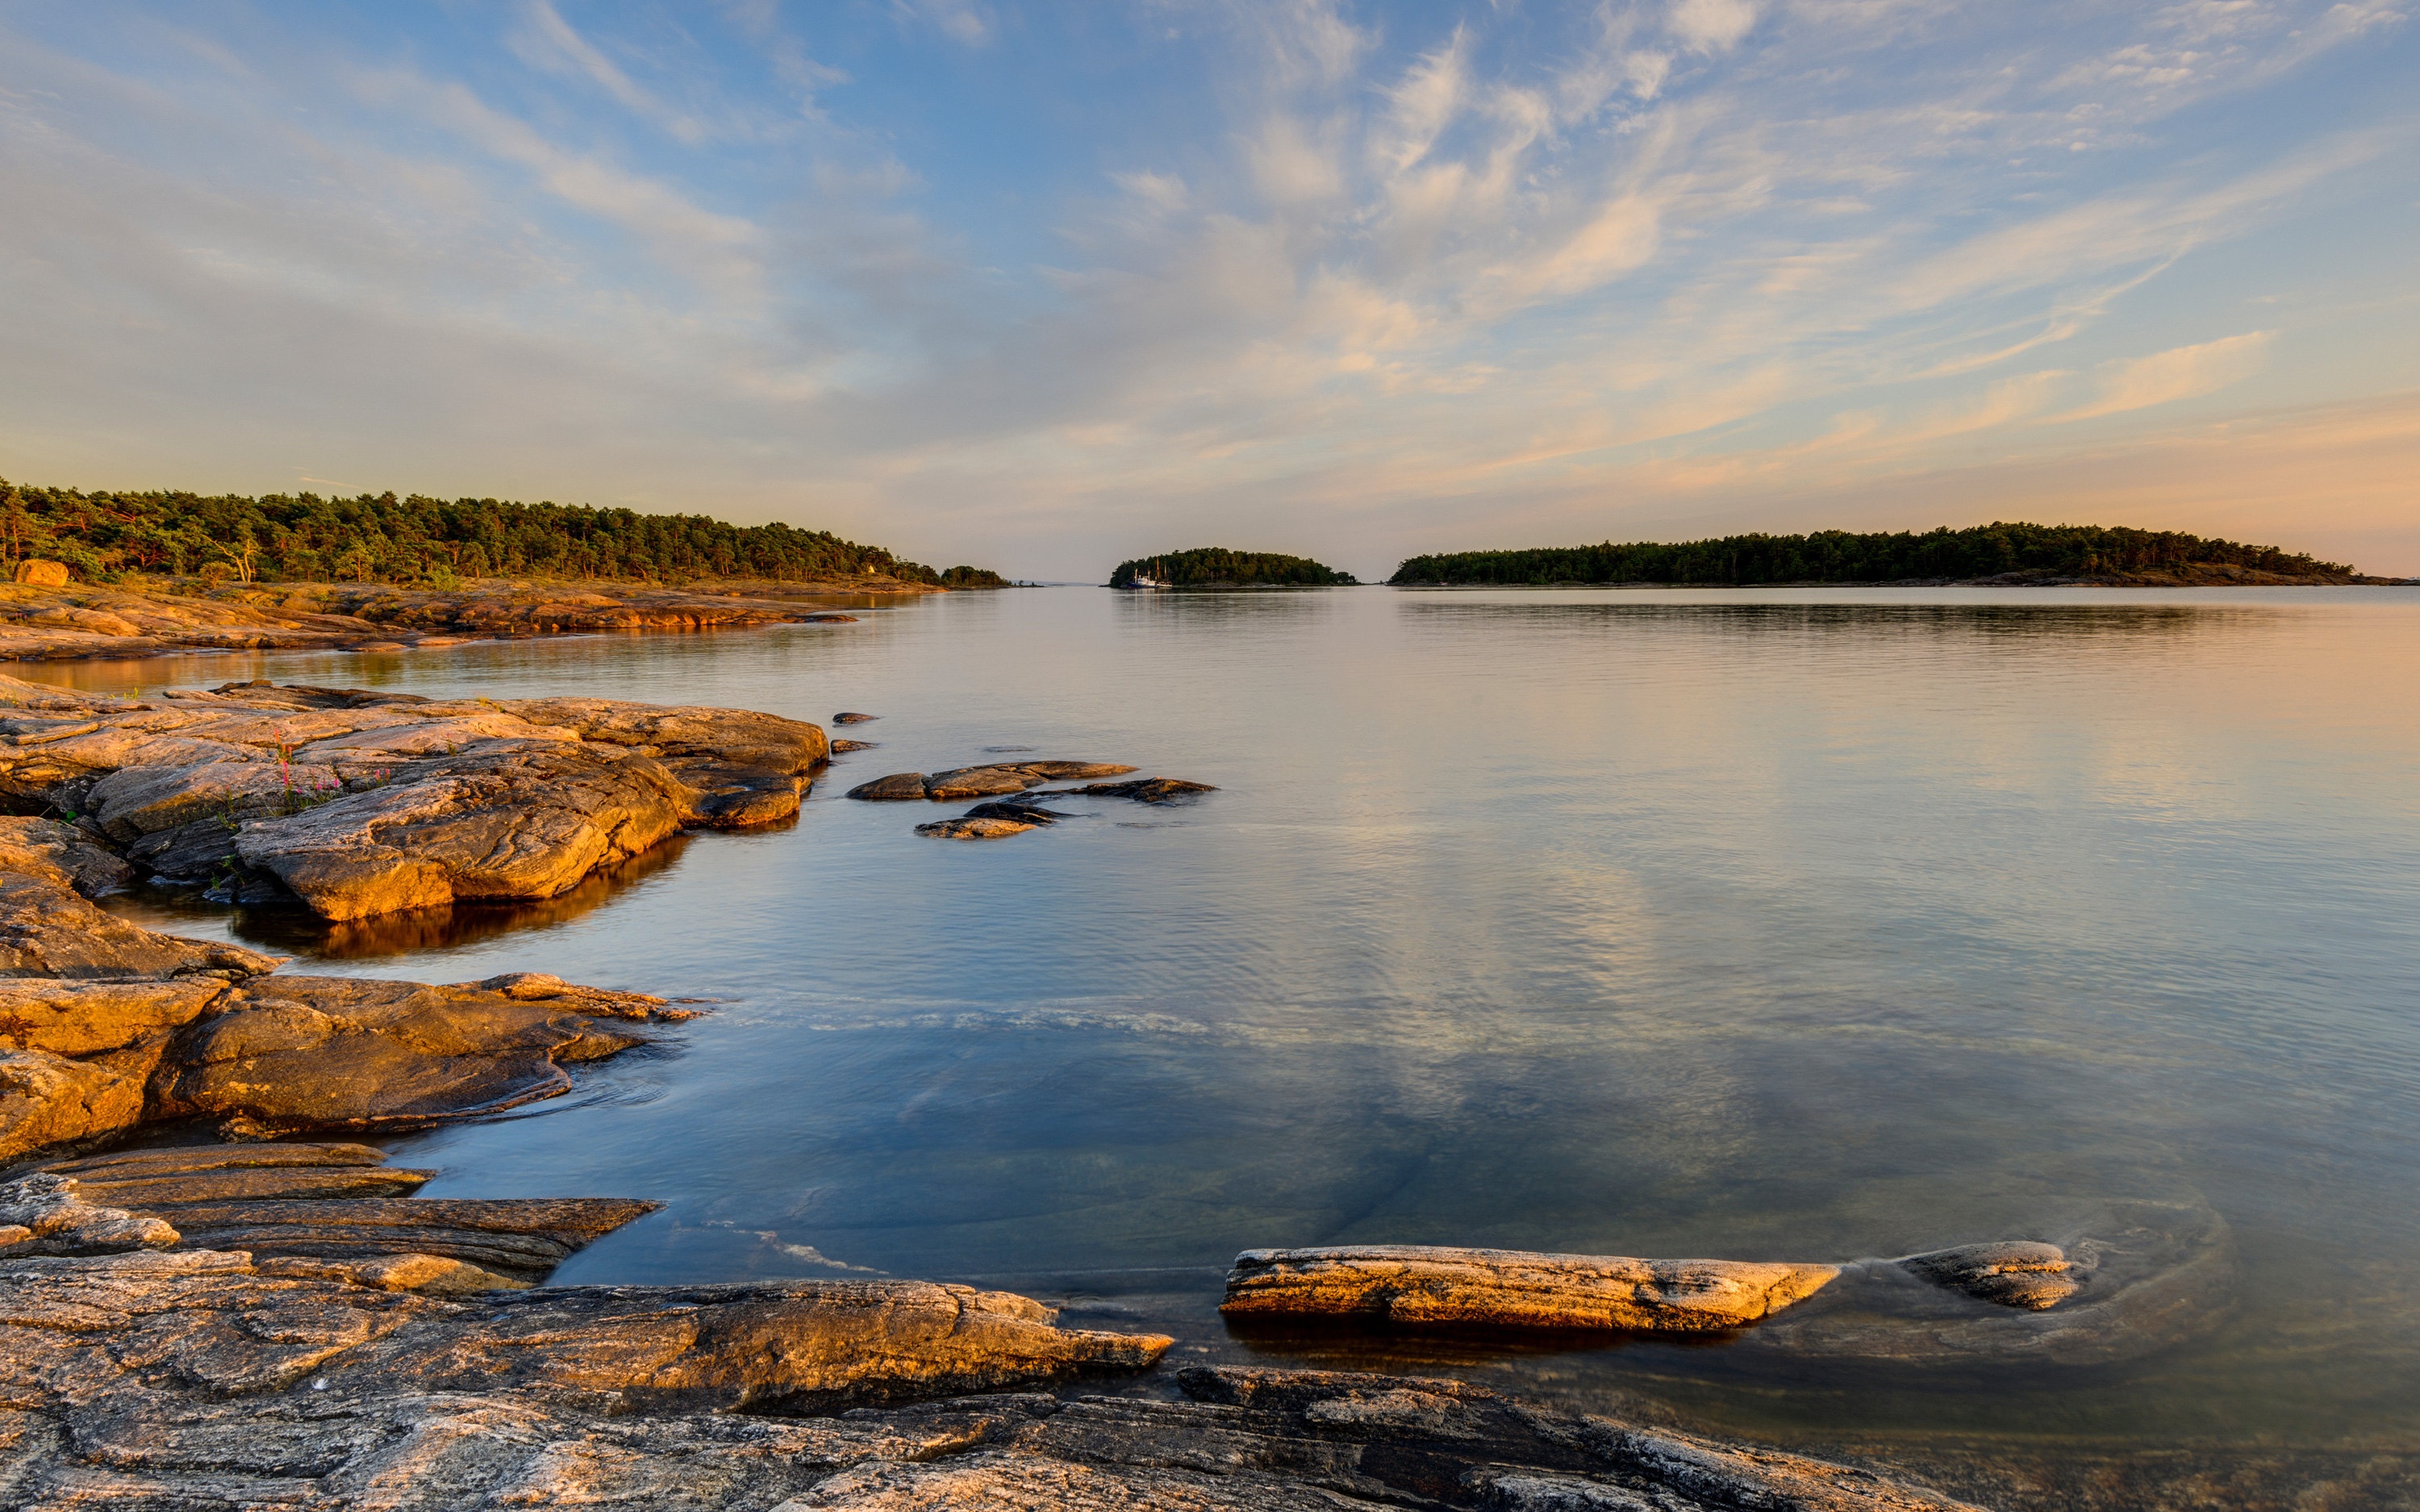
(150, 1179)
(1415, 1284)
(520, 1236)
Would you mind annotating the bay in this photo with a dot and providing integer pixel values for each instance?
(1805, 924)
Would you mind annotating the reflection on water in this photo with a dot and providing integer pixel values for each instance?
(295, 931)
(1806, 925)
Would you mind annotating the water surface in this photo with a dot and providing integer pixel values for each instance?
(1799, 924)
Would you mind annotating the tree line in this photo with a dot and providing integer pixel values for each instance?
(417, 539)
(1215, 565)
(1845, 556)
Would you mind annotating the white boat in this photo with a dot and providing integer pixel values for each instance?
(1144, 579)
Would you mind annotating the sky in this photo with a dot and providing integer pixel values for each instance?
(1043, 287)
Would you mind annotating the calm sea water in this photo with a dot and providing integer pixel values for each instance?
(1790, 924)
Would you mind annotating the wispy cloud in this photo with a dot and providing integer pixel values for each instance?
(2183, 373)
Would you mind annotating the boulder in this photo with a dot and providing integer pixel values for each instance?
(35, 573)
(1415, 1284)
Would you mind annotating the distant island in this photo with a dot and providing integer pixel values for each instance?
(1215, 566)
(1997, 554)
(102, 536)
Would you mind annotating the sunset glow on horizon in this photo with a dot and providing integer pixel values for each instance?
(1043, 287)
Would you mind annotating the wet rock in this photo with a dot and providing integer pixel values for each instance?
(2144, 1276)
(1147, 790)
(1018, 813)
(897, 787)
(844, 746)
(296, 1054)
(2013, 1272)
(47, 930)
(1417, 1284)
(993, 780)
(978, 828)
(43, 1214)
(855, 718)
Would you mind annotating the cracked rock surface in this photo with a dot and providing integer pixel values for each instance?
(200, 1379)
(360, 803)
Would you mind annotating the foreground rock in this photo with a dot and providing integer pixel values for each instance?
(201, 1379)
(1510, 1288)
(361, 803)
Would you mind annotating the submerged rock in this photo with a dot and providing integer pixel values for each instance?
(1427, 1285)
(2141, 1277)
(1145, 790)
(842, 748)
(975, 828)
(2013, 1272)
(855, 718)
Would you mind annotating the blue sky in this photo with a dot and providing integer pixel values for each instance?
(1043, 287)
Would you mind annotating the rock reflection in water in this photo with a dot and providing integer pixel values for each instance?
(296, 932)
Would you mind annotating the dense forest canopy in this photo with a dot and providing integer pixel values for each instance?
(381, 538)
(1210, 565)
(1843, 556)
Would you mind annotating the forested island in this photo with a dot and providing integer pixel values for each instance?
(1215, 566)
(2001, 551)
(419, 540)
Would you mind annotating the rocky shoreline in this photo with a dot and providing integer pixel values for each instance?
(57, 620)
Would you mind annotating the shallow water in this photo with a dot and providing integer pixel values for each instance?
(1793, 924)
